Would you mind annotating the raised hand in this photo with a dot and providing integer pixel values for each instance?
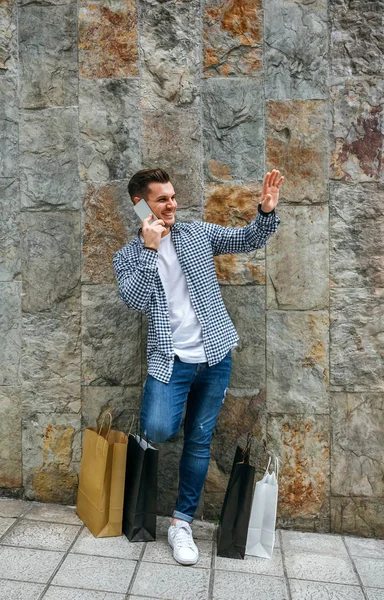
(151, 232)
(271, 190)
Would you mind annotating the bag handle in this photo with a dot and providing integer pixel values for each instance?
(247, 451)
(131, 425)
(101, 427)
(277, 468)
(267, 469)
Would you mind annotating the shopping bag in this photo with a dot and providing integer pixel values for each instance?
(233, 526)
(262, 523)
(101, 481)
(140, 495)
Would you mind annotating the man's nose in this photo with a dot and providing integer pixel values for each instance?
(171, 203)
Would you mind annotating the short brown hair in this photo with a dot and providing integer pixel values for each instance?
(138, 184)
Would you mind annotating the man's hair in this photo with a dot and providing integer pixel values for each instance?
(138, 184)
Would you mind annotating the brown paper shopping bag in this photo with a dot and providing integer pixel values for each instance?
(101, 483)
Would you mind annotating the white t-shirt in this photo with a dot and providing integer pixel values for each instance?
(186, 330)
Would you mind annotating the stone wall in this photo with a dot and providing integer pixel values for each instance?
(217, 93)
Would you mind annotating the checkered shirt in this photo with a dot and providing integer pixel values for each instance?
(195, 244)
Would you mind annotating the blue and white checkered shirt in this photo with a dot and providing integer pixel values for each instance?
(195, 244)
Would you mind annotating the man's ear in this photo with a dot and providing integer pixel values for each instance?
(136, 199)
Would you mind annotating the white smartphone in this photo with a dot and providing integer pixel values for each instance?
(142, 209)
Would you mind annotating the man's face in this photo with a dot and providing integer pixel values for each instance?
(161, 200)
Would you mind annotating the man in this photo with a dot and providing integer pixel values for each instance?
(168, 273)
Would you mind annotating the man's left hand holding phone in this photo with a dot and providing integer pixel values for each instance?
(151, 232)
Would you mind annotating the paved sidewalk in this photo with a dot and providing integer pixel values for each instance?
(46, 552)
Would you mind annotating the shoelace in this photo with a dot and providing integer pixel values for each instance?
(183, 537)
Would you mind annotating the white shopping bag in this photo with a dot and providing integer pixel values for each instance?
(262, 522)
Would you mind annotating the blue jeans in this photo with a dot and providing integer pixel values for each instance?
(203, 388)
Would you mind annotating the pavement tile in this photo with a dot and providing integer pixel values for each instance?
(118, 547)
(171, 582)
(202, 530)
(42, 535)
(312, 590)
(318, 543)
(25, 564)
(20, 590)
(365, 547)
(253, 564)
(95, 572)
(247, 586)
(320, 567)
(371, 571)
(13, 508)
(56, 513)
(161, 552)
(374, 594)
(62, 593)
(5, 523)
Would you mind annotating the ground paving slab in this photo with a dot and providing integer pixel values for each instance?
(46, 553)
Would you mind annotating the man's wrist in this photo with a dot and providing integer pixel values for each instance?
(263, 212)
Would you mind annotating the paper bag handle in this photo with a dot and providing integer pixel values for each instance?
(267, 469)
(101, 427)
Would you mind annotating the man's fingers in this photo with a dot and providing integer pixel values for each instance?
(146, 221)
(278, 184)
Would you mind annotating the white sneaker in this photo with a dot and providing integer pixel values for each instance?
(184, 548)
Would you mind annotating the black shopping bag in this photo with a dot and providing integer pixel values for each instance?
(236, 511)
(140, 495)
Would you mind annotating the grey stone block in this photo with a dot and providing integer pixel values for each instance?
(122, 402)
(356, 139)
(109, 222)
(310, 590)
(297, 362)
(54, 513)
(8, 39)
(233, 129)
(41, 535)
(253, 564)
(54, 395)
(357, 40)
(361, 516)
(172, 140)
(51, 350)
(161, 552)
(296, 55)
(247, 586)
(9, 230)
(245, 305)
(365, 547)
(373, 594)
(95, 572)
(370, 571)
(298, 260)
(170, 53)
(296, 541)
(9, 119)
(357, 444)
(320, 567)
(356, 353)
(48, 55)
(357, 236)
(10, 333)
(55, 592)
(48, 159)
(25, 564)
(117, 547)
(18, 590)
(50, 263)
(109, 133)
(10, 438)
(171, 582)
(111, 338)
(52, 450)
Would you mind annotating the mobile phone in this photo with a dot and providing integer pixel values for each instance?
(142, 209)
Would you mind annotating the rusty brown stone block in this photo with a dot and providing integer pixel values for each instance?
(109, 224)
(357, 132)
(233, 32)
(302, 443)
(10, 437)
(296, 144)
(235, 206)
(358, 516)
(108, 39)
